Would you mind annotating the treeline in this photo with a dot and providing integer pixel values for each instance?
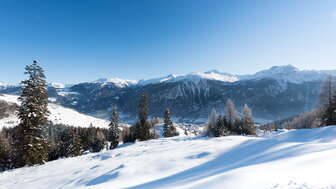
(144, 128)
(230, 123)
(36, 141)
(323, 115)
(61, 141)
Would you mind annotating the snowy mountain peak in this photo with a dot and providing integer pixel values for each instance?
(193, 77)
(277, 70)
(287, 73)
(57, 85)
(212, 71)
(283, 69)
(116, 81)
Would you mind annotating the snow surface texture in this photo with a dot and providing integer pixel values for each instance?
(296, 159)
(58, 115)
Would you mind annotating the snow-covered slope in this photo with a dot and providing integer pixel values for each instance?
(297, 159)
(58, 115)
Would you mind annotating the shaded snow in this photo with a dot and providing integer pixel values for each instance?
(288, 160)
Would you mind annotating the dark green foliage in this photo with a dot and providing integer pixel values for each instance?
(128, 134)
(114, 132)
(168, 128)
(219, 127)
(76, 146)
(142, 130)
(142, 126)
(64, 141)
(328, 101)
(5, 154)
(143, 107)
(30, 143)
(329, 112)
(98, 141)
(238, 127)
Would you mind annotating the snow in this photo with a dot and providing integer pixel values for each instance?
(193, 77)
(289, 73)
(58, 115)
(296, 159)
(116, 81)
(284, 74)
(57, 85)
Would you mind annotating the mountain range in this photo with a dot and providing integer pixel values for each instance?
(275, 93)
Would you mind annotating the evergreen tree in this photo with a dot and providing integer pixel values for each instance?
(98, 141)
(31, 147)
(328, 102)
(76, 147)
(114, 132)
(142, 127)
(5, 154)
(169, 129)
(248, 123)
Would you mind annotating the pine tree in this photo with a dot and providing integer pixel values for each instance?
(114, 132)
(328, 102)
(169, 129)
(142, 127)
(76, 147)
(31, 147)
(5, 154)
(248, 123)
(98, 142)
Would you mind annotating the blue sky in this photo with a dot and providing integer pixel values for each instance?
(85, 40)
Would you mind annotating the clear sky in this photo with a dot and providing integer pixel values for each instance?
(83, 40)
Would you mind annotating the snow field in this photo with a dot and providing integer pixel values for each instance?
(299, 159)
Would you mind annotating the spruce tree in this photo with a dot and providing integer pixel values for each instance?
(142, 127)
(114, 132)
(31, 147)
(98, 141)
(76, 147)
(328, 102)
(5, 154)
(169, 129)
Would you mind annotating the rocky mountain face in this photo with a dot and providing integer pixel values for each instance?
(276, 93)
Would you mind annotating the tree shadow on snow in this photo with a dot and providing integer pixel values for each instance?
(105, 177)
(248, 153)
